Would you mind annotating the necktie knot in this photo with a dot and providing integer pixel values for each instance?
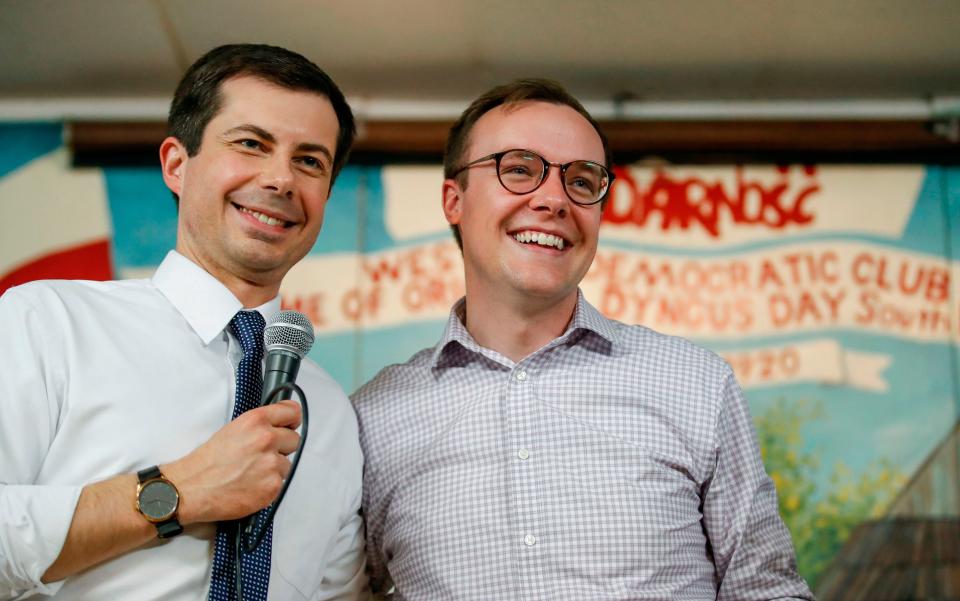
(248, 327)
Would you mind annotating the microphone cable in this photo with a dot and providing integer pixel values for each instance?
(250, 530)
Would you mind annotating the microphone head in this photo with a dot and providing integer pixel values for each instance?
(290, 331)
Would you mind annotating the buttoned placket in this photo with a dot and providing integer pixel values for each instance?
(521, 409)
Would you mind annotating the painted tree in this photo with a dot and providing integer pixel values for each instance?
(819, 520)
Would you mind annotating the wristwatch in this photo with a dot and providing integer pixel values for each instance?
(158, 501)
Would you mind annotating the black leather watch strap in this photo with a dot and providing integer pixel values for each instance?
(149, 473)
(169, 528)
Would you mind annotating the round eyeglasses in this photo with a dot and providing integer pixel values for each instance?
(523, 171)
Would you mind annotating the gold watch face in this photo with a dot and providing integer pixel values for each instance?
(157, 500)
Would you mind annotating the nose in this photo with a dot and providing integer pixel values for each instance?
(551, 195)
(277, 176)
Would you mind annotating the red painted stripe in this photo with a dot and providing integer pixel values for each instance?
(89, 261)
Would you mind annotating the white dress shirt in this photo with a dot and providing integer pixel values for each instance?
(104, 378)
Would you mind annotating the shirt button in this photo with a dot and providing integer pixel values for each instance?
(529, 540)
(522, 375)
(523, 454)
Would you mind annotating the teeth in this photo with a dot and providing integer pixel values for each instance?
(527, 237)
(262, 218)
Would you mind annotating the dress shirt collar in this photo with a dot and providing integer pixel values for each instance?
(206, 304)
(586, 318)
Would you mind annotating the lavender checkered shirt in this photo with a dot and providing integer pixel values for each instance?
(613, 463)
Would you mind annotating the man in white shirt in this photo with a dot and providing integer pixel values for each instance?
(113, 389)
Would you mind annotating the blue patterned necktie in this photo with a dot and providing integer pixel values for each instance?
(247, 326)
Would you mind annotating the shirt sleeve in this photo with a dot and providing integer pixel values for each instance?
(373, 507)
(752, 550)
(34, 519)
(380, 581)
(346, 578)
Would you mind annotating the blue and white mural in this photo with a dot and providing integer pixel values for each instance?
(831, 289)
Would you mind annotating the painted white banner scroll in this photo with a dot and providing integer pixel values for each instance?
(786, 290)
(819, 361)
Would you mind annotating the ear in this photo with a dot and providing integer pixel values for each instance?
(173, 158)
(452, 201)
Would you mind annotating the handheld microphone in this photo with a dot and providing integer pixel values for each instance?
(286, 339)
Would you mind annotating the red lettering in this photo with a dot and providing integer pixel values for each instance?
(683, 203)
(612, 302)
(357, 304)
(311, 305)
(767, 274)
(383, 268)
(441, 255)
(861, 262)
(938, 285)
(882, 274)
(781, 310)
(651, 277)
(828, 267)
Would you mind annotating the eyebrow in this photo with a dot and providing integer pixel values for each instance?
(310, 147)
(265, 135)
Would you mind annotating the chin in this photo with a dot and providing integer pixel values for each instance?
(543, 290)
(257, 261)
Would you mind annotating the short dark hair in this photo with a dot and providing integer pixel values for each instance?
(198, 97)
(515, 92)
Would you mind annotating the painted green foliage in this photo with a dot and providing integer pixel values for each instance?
(819, 520)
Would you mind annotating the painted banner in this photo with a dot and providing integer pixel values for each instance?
(832, 291)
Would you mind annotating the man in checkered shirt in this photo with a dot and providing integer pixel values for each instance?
(540, 450)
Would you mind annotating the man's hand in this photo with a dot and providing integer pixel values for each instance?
(235, 473)
(240, 469)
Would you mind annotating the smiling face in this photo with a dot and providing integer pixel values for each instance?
(252, 198)
(536, 246)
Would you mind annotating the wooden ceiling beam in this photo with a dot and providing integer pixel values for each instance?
(630, 140)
